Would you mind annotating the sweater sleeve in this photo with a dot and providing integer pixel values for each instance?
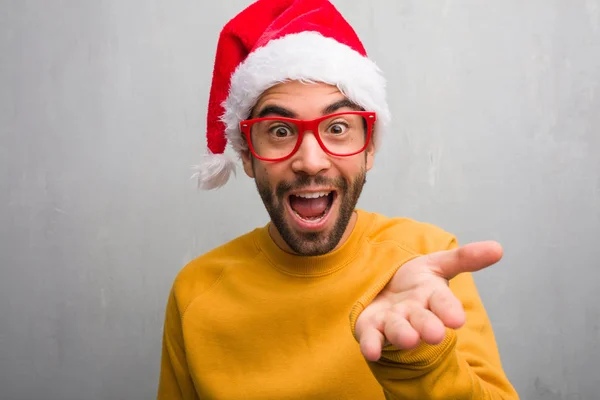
(466, 365)
(175, 382)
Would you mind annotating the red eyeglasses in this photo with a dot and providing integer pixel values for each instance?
(277, 138)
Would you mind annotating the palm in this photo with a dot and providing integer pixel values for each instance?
(417, 303)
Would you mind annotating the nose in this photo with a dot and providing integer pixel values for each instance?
(310, 158)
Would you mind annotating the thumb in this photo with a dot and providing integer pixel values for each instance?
(468, 258)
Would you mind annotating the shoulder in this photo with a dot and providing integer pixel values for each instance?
(200, 274)
(416, 236)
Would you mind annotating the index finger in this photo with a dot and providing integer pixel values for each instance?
(468, 258)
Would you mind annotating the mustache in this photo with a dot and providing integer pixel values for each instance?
(304, 181)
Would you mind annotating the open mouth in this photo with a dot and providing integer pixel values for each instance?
(312, 207)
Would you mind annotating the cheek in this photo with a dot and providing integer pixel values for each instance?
(351, 167)
(270, 174)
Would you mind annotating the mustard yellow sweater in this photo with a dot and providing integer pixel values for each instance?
(249, 321)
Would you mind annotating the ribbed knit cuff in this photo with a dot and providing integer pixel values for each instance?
(422, 356)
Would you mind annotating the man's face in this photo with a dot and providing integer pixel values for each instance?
(311, 196)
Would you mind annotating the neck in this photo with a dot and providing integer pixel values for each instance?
(282, 244)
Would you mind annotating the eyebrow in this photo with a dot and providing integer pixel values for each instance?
(344, 103)
(276, 110)
(330, 109)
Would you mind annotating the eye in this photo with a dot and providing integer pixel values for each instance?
(281, 131)
(338, 128)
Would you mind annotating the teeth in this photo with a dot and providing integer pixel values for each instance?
(314, 195)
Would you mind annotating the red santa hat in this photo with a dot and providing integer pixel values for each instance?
(274, 41)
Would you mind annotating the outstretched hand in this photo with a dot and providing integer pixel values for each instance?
(417, 304)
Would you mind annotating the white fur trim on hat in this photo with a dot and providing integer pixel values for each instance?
(214, 171)
(308, 57)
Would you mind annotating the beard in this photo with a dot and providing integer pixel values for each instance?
(311, 243)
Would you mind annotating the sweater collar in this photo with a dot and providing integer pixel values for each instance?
(315, 266)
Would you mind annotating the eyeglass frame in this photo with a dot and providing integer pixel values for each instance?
(308, 125)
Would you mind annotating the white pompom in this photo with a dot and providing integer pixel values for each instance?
(214, 171)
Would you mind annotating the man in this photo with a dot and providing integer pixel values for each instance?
(326, 301)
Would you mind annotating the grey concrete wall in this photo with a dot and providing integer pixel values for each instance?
(102, 110)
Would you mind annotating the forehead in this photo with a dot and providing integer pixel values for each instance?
(300, 97)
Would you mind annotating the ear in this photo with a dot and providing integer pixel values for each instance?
(370, 155)
(247, 162)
